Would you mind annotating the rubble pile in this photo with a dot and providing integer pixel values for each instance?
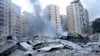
(75, 37)
(45, 46)
(94, 38)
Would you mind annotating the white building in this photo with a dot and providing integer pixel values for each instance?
(86, 21)
(4, 17)
(75, 17)
(15, 20)
(9, 18)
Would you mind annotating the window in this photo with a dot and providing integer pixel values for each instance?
(1, 23)
(1, 4)
(55, 12)
(56, 21)
(1, 15)
(1, 19)
(56, 17)
(1, 7)
(1, 11)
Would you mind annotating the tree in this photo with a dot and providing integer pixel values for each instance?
(96, 25)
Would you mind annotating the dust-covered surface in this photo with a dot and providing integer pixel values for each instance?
(45, 46)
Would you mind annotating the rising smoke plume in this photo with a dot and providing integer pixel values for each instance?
(40, 25)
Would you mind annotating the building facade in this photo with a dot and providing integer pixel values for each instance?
(86, 21)
(51, 13)
(91, 30)
(4, 17)
(28, 24)
(15, 20)
(75, 17)
(63, 22)
(9, 18)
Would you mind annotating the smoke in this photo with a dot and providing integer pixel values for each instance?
(41, 26)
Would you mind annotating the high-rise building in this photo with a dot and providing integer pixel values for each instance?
(15, 20)
(22, 27)
(91, 30)
(27, 19)
(86, 21)
(75, 17)
(51, 13)
(9, 18)
(63, 22)
(4, 17)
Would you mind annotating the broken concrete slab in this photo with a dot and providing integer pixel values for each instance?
(48, 48)
(7, 47)
(71, 44)
(18, 53)
(26, 46)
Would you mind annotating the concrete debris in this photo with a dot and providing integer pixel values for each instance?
(45, 46)
(91, 44)
(39, 45)
(28, 53)
(52, 47)
(14, 38)
(26, 46)
(18, 53)
(71, 45)
(94, 37)
(73, 34)
(96, 49)
(7, 47)
(63, 37)
(75, 37)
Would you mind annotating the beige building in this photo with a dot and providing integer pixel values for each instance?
(75, 17)
(51, 13)
(70, 23)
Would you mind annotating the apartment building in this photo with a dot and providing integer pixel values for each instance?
(28, 24)
(63, 22)
(51, 13)
(9, 18)
(75, 17)
(15, 20)
(86, 21)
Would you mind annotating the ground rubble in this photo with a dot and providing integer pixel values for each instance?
(45, 46)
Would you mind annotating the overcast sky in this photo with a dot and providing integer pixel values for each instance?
(93, 6)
